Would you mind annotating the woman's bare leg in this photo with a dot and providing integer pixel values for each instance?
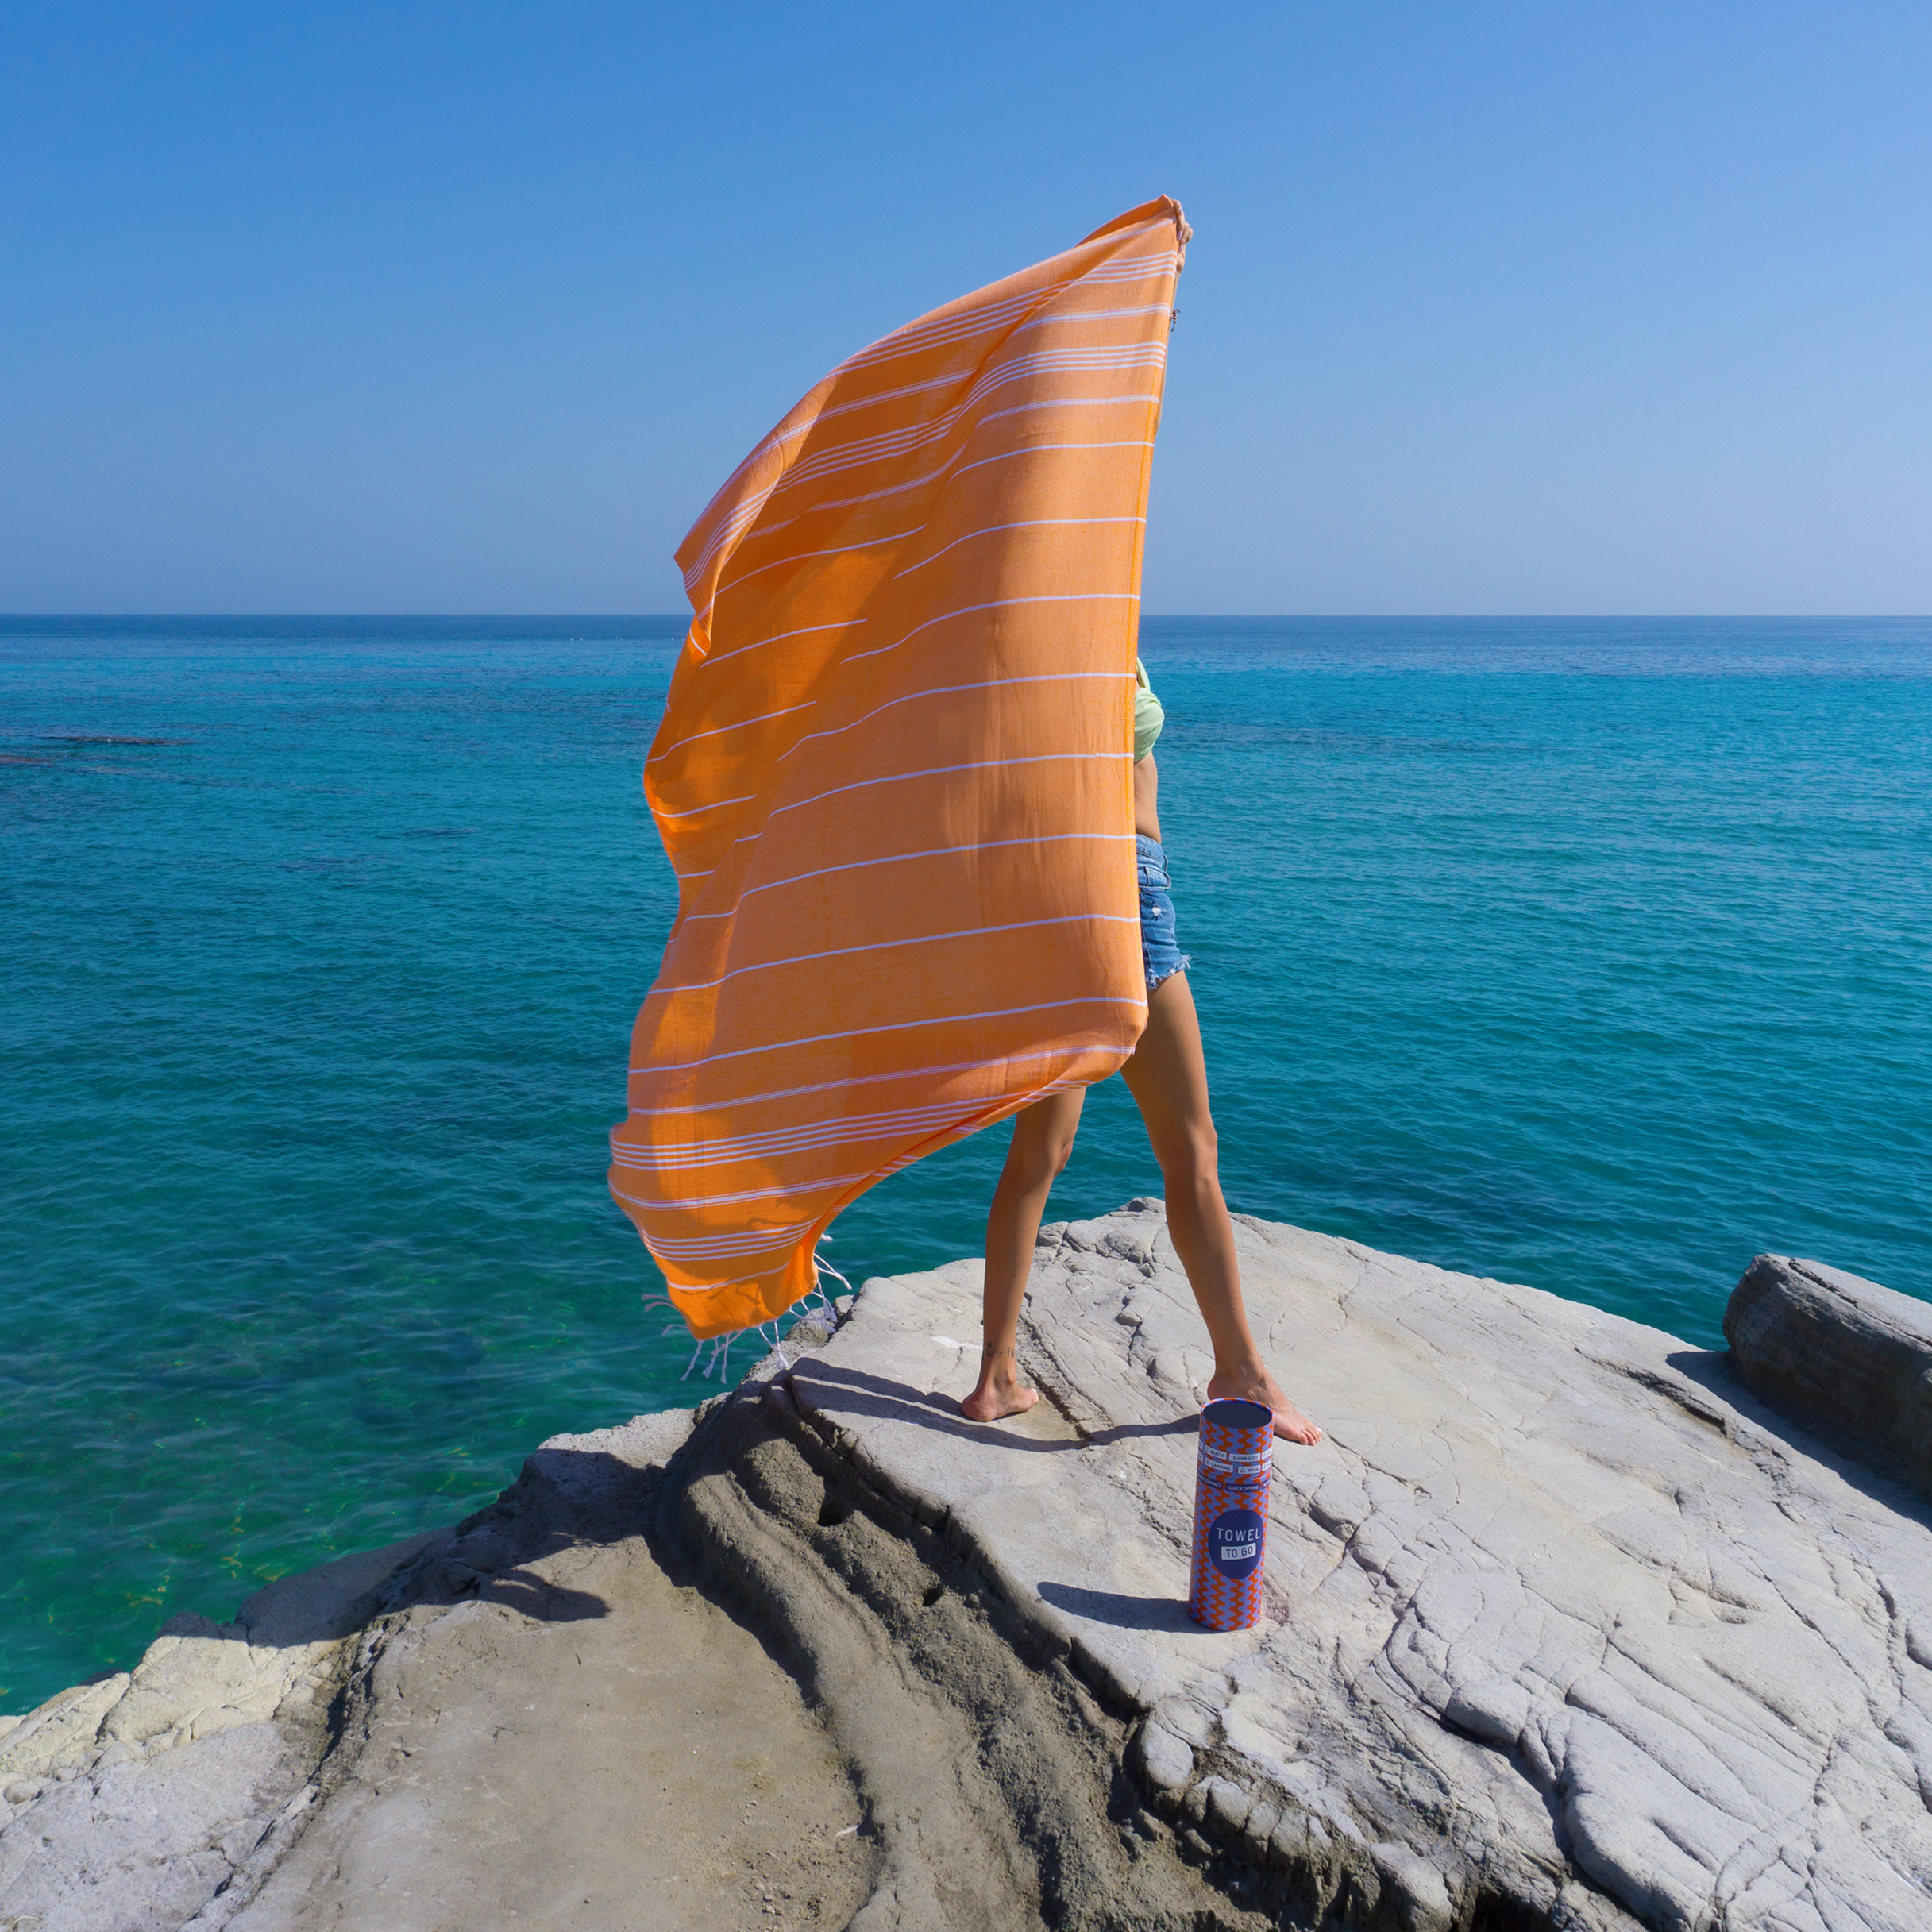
(1043, 1139)
(1168, 1076)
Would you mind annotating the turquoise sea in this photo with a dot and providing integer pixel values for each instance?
(1593, 955)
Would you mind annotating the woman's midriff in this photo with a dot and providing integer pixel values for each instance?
(1147, 786)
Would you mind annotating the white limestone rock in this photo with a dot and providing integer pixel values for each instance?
(1560, 1622)
(131, 1802)
(1564, 1629)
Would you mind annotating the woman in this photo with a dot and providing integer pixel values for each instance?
(1168, 1078)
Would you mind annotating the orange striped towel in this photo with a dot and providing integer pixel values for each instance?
(894, 778)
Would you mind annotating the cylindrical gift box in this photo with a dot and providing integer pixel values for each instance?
(1231, 1513)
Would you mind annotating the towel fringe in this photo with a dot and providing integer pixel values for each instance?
(718, 1360)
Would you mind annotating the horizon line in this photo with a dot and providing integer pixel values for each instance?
(683, 619)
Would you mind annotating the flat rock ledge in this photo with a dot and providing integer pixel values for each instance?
(1566, 1628)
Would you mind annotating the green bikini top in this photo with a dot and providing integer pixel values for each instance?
(1148, 716)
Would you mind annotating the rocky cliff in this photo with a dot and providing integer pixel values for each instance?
(1566, 1627)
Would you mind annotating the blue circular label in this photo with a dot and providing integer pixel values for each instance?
(1234, 1543)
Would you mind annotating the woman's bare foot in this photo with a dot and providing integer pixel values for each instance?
(999, 1392)
(1256, 1385)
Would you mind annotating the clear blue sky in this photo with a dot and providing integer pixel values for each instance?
(1544, 308)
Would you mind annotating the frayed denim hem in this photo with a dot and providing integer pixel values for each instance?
(1155, 981)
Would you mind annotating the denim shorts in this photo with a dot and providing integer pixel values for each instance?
(1160, 953)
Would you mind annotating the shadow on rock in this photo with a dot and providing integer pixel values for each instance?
(1122, 1612)
(879, 1399)
(1864, 1465)
(564, 1499)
